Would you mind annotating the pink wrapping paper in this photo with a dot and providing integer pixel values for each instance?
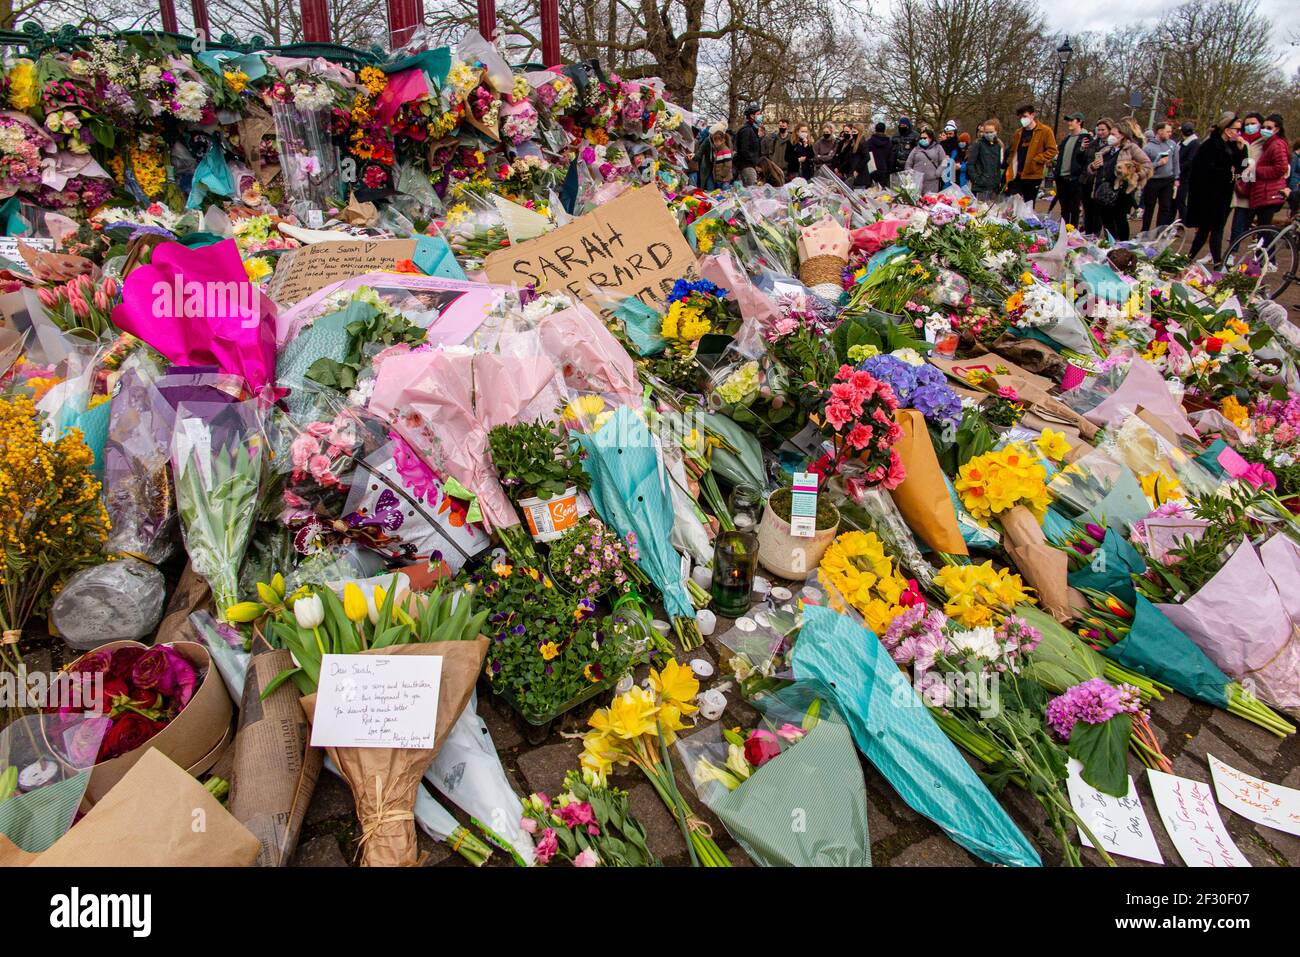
(1145, 387)
(825, 237)
(757, 311)
(235, 326)
(588, 356)
(1240, 620)
(445, 403)
(402, 88)
(1252, 472)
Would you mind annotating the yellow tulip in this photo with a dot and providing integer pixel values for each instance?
(354, 603)
(277, 582)
(244, 612)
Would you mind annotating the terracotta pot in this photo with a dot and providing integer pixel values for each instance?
(790, 556)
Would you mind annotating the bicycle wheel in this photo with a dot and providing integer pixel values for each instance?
(1270, 253)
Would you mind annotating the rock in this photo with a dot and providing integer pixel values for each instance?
(331, 801)
(545, 767)
(934, 852)
(321, 851)
(662, 834)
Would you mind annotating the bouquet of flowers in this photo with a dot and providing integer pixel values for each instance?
(138, 690)
(20, 156)
(217, 467)
(979, 595)
(858, 419)
(80, 304)
(857, 571)
(588, 825)
(996, 482)
(637, 728)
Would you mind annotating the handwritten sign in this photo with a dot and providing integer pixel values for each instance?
(628, 247)
(1120, 824)
(1187, 809)
(300, 272)
(9, 248)
(1269, 804)
(377, 701)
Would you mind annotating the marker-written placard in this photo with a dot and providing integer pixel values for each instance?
(1188, 812)
(1254, 799)
(377, 701)
(300, 272)
(1119, 823)
(628, 247)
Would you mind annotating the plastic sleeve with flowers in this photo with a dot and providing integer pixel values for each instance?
(1165, 471)
(217, 453)
(799, 767)
(873, 510)
(44, 765)
(309, 157)
(137, 484)
(474, 228)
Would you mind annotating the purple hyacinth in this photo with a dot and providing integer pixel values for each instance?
(1094, 701)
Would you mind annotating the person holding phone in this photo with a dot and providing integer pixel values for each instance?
(1158, 194)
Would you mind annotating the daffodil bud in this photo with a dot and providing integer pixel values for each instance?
(309, 611)
(267, 594)
(244, 611)
(277, 582)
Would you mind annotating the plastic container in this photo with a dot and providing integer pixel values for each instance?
(548, 520)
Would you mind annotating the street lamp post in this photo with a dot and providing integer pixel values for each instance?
(1063, 54)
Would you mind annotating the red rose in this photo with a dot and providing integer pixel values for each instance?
(1213, 344)
(129, 731)
(760, 747)
(149, 668)
(124, 660)
(93, 663)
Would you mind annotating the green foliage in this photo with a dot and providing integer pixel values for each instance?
(533, 459)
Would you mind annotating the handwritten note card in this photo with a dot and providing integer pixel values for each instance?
(377, 701)
(1187, 809)
(1119, 823)
(1269, 804)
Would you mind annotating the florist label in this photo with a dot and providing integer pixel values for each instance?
(628, 247)
(377, 701)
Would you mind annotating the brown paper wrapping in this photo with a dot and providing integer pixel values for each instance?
(384, 780)
(1045, 568)
(156, 816)
(192, 594)
(195, 739)
(274, 769)
(923, 498)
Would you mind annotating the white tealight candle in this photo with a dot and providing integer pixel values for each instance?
(780, 593)
(702, 576)
(745, 624)
(702, 667)
(661, 626)
(761, 585)
(707, 621)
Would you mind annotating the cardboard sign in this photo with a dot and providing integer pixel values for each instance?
(628, 247)
(1187, 809)
(376, 701)
(1272, 805)
(1119, 823)
(300, 272)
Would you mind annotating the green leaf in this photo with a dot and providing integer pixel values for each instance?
(278, 680)
(1103, 750)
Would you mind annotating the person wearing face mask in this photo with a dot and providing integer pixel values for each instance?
(928, 161)
(1122, 170)
(1268, 193)
(1158, 194)
(875, 160)
(1208, 180)
(776, 142)
(1088, 178)
(799, 154)
(1251, 125)
(749, 146)
(1032, 148)
(903, 142)
(1293, 180)
(987, 154)
(824, 148)
(845, 148)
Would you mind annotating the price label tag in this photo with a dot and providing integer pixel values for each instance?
(803, 505)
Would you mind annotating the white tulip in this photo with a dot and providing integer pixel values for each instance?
(309, 611)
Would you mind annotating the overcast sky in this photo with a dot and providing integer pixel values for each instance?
(1101, 15)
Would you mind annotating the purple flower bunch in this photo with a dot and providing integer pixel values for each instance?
(1094, 701)
(591, 559)
(917, 387)
(1017, 637)
(916, 637)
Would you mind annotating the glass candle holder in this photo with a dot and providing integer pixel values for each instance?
(745, 505)
(735, 560)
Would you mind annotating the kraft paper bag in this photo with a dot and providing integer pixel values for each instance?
(384, 781)
(1045, 568)
(155, 816)
(922, 498)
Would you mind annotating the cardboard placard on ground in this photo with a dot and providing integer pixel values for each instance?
(148, 820)
(628, 247)
(1034, 390)
(300, 272)
(275, 770)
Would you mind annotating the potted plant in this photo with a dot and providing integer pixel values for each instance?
(788, 555)
(541, 474)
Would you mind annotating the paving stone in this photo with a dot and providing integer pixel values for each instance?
(662, 834)
(1172, 711)
(322, 851)
(434, 852)
(331, 800)
(544, 768)
(1206, 742)
(934, 852)
(1246, 736)
(501, 724)
(739, 858)
(879, 824)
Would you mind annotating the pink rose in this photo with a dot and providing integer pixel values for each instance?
(319, 466)
(302, 449)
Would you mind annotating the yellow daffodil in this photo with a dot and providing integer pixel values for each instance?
(628, 716)
(677, 683)
(1054, 445)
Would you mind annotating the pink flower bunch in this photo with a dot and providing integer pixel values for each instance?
(858, 418)
(319, 450)
(1094, 701)
(916, 637)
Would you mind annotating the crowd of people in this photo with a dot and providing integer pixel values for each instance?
(1241, 174)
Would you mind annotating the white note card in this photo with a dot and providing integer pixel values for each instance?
(1269, 804)
(1189, 814)
(1119, 823)
(377, 701)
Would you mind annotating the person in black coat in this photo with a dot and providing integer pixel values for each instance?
(903, 143)
(1187, 148)
(799, 154)
(1209, 183)
(876, 151)
(749, 147)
